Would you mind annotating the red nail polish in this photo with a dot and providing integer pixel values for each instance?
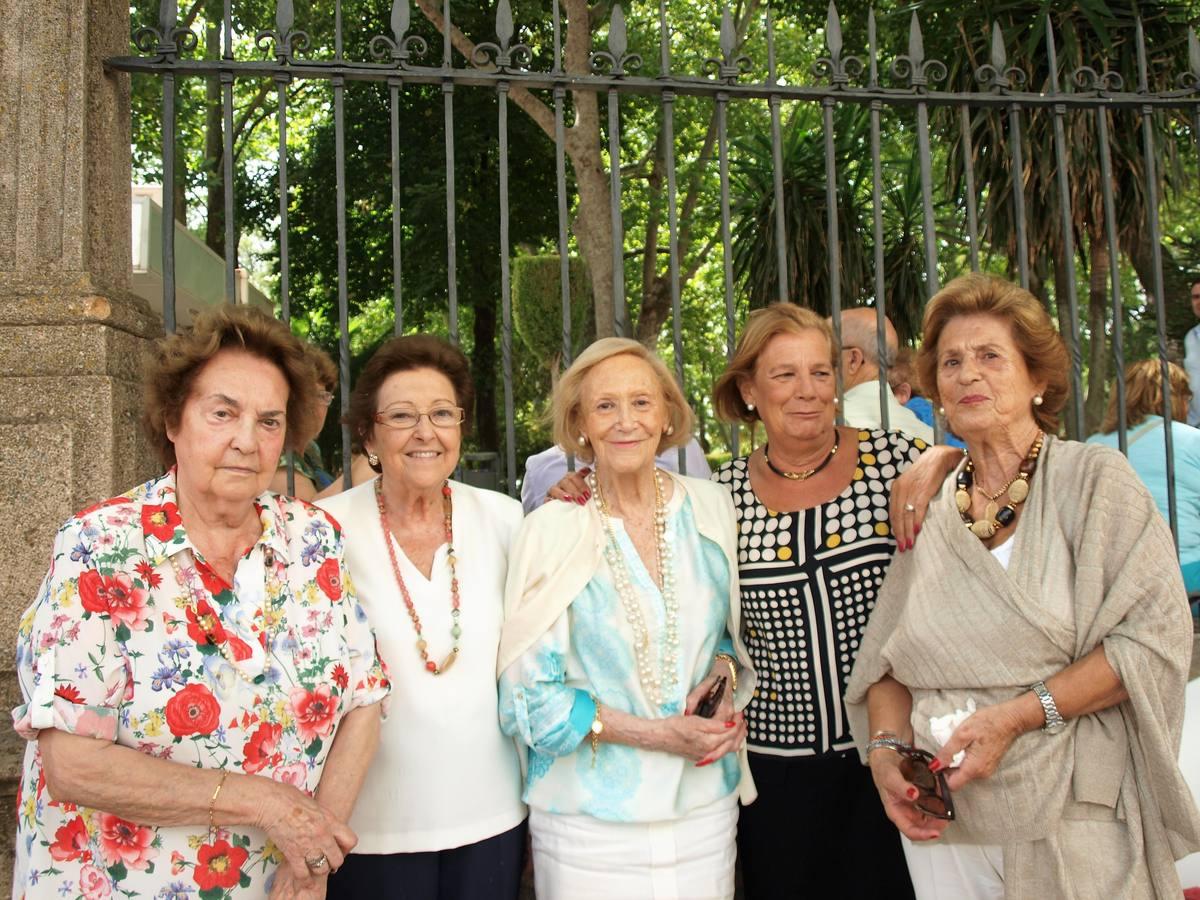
(916, 529)
(935, 766)
(581, 501)
(703, 762)
(587, 495)
(729, 724)
(912, 793)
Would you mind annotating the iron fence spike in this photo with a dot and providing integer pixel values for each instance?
(168, 15)
(728, 37)
(504, 23)
(1193, 52)
(916, 43)
(285, 17)
(833, 31)
(872, 49)
(1051, 54)
(618, 42)
(401, 19)
(999, 54)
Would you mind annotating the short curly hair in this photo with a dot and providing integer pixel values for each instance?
(174, 362)
(1033, 332)
(403, 354)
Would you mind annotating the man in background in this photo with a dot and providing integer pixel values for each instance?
(860, 377)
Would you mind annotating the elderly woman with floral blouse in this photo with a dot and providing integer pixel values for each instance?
(201, 689)
(621, 615)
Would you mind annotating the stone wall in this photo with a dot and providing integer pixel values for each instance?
(71, 334)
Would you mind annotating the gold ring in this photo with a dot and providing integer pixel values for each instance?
(317, 864)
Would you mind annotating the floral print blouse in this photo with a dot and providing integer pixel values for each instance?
(253, 677)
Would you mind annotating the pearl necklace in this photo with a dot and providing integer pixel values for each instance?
(195, 594)
(455, 628)
(659, 686)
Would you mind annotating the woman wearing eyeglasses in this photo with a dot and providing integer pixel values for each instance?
(440, 814)
(1037, 639)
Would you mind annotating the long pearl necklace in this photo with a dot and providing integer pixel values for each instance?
(455, 628)
(659, 684)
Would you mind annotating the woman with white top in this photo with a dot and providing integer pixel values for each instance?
(621, 615)
(440, 814)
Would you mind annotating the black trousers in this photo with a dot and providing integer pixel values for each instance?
(818, 829)
(487, 870)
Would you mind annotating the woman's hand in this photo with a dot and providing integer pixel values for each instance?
(286, 887)
(899, 797)
(302, 828)
(913, 490)
(572, 487)
(986, 736)
(703, 741)
(724, 711)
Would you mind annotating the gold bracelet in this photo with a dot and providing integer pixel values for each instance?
(595, 731)
(732, 663)
(212, 803)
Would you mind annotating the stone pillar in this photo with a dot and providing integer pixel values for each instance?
(71, 334)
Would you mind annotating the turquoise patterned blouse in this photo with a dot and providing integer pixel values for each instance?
(546, 695)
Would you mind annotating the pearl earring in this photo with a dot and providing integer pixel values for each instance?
(836, 401)
(941, 410)
(670, 430)
(583, 440)
(750, 406)
(1037, 400)
(372, 460)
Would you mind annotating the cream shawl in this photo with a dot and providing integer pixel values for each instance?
(1092, 564)
(558, 550)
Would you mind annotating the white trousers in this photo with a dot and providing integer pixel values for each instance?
(581, 858)
(942, 871)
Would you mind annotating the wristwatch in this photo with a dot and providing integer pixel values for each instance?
(1054, 720)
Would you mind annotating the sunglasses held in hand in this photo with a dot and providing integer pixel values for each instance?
(934, 798)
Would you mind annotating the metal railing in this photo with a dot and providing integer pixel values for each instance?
(503, 65)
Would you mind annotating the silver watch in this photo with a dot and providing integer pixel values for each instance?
(1054, 720)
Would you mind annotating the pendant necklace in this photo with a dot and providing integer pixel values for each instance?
(806, 473)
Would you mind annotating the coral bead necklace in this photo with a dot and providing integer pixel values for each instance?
(455, 628)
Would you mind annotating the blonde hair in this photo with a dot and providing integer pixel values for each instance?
(761, 326)
(566, 415)
(1033, 332)
(1143, 394)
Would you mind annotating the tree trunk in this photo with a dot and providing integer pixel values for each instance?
(214, 230)
(1177, 288)
(1097, 387)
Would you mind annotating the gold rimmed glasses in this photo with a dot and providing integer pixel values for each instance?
(404, 418)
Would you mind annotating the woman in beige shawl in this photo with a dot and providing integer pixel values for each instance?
(1038, 635)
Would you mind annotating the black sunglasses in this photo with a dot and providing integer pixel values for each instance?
(934, 799)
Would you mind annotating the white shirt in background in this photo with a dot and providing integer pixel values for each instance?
(860, 409)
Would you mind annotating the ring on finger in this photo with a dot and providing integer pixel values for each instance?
(317, 863)
(908, 507)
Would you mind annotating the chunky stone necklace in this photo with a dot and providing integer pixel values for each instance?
(659, 685)
(806, 473)
(996, 517)
(455, 628)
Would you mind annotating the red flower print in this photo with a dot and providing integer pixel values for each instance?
(260, 751)
(121, 841)
(314, 712)
(161, 521)
(213, 582)
(329, 579)
(148, 575)
(239, 649)
(218, 865)
(340, 678)
(94, 884)
(193, 710)
(116, 595)
(68, 692)
(204, 626)
(111, 501)
(178, 862)
(69, 841)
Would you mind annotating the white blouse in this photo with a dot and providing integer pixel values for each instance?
(444, 776)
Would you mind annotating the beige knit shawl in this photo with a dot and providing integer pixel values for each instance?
(1092, 564)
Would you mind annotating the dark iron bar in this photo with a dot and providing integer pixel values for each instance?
(877, 224)
(560, 181)
(932, 281)
(969, 185)
(726, 242)
(506, 333)
(1068, 237)
(620, 322)
(168, 200)
(285, 295)
(1160, 306)
(835, 252)
(394, 85)
(339, 139)
(781, 266)
(451, 236)
(1018, 192)
(227, 186)
(1118, 308)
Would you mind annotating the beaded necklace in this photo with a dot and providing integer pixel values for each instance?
(995, 517)
(807, 473)
(194, 594)
(455, 628)
(659, 686)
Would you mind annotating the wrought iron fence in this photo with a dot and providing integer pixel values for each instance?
(844, 79)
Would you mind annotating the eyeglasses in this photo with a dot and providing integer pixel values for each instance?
(934, 799)
(324, 397)
(404, 418)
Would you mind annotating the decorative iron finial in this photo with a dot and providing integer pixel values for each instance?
(168, 40)
(506, 56)
(286, 40)
(837, 69)
(729, 66)
(913, 66)
(401, 49)
(997, 76)
(1190, 80)
(615, 61)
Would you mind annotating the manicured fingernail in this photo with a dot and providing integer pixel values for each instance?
(581, 501)
(935, 766)
(687, 712)
(729, 724)
(703, 762)
(912, 793)
(587, 495)
(916, 529)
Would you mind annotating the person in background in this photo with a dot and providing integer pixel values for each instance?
(544, 470)
(902, 378)
(201, 689)
(1034, 645)
(310, 477)
(1191, 358)
(440, 816)
(622, 614)
(860, 377)
(1146, 444)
